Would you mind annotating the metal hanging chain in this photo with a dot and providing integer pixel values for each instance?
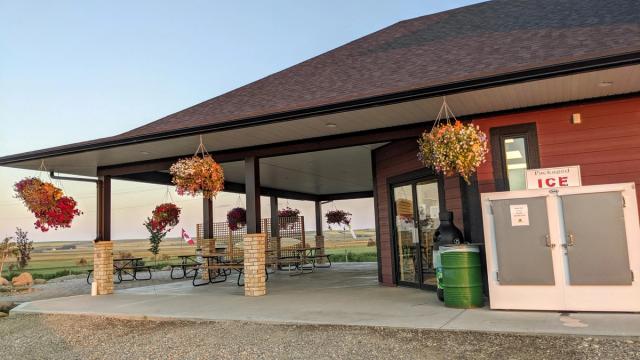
(167, 195)
(239, 202)
(445, 111)
(56, 182)
(201, 149)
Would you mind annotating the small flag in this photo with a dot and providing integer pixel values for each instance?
(187, 238)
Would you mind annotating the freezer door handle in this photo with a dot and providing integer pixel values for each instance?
(548, 242)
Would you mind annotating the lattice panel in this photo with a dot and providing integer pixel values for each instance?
(292, 235)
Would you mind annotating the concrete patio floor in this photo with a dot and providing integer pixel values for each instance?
(346, 294)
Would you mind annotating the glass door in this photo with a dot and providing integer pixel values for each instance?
(428, 221)
(415, 212)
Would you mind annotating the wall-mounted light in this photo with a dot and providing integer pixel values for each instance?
(576, 118)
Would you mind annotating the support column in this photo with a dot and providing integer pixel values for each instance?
(254, 265)
(319, 235)
(252, 190)
(207, 218)
(208, 248)
(275, 227)
(103, 221)
(103, 246)
(102, 268)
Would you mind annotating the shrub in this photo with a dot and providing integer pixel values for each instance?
(24, 246)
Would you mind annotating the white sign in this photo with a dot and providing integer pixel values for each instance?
(519, 215)
(553, 177)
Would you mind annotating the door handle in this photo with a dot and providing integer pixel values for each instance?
(571, 241)
(548, 242)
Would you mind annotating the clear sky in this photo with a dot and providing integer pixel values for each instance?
(80, 70)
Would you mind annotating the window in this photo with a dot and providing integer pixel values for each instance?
(514, 150)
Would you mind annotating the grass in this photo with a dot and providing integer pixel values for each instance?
(49, 261)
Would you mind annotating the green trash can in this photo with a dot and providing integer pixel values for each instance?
(462, 276)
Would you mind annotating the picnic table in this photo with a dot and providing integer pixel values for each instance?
(130, 267)
(188, 264)
(127, 266)
(213, 268)
(221, 264)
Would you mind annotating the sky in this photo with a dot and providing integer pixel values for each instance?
(79, 70)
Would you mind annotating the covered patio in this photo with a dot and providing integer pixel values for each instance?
(346, 294)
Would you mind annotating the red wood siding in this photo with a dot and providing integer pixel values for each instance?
(392, 160)
(606, 144)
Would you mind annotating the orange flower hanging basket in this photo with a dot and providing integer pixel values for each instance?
(199, 174)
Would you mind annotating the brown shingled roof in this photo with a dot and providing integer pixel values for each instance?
(477, 41)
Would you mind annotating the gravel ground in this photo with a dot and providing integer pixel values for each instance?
(76, 337)
(76, 285)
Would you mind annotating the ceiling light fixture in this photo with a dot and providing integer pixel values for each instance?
(331, 125)
(145, 153)
(605, 83)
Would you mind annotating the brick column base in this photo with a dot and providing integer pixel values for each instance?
(254, 260)
(208, 248)
(320, 252)
(102, 268)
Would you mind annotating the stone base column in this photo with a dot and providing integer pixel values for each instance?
(320, 252)
(102, 268)
(254, 260)
(208, 248)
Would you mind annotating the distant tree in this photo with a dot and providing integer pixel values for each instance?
(24, 246)
(7, 248)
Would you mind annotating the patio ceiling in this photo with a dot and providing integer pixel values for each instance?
(579, 86)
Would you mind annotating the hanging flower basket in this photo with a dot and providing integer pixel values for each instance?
(237, 218)
(199, 174)
(288, 217)
(453, 148)
(338, 217)
(163, 218)
(47, 202)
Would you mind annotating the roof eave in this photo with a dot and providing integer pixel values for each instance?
(618, 60)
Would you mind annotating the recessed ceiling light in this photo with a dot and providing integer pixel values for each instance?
(145, 153)
(331, 125)
(605, 83)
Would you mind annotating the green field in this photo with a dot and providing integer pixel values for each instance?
(54, 259)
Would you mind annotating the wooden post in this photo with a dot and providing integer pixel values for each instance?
(103, 224)
(318, 218)
(207, 218)
(319, 236)
(275, 222)
(252, 190)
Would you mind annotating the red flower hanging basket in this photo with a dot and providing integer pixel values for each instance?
(338, 217)
(237, 218)
(47, 202)
(288, 217)
(165, 216)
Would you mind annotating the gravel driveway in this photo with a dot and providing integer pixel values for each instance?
(75, 337)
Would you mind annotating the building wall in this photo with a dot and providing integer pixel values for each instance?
(606, 144)
(395, 159)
